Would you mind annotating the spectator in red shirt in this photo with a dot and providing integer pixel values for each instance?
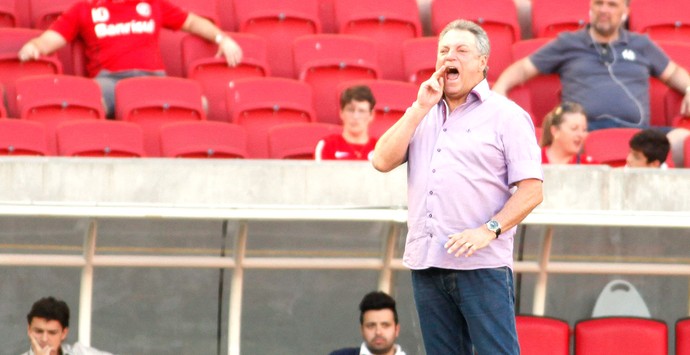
(121, 38)
(356, 112)
(564, 131)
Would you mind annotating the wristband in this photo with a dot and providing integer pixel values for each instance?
(219, 38)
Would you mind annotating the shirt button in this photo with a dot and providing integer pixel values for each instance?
(445, 129)
(438, 149)
(431, 192)
(433, 170)
(429, 215)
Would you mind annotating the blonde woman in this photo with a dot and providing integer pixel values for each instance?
(563, 134)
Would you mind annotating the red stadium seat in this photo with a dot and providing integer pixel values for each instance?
(261, 103)
(53, 99)
(21, 137)
(668, 22)
(552, 17)
(226, 15)
(544, 91)
(609, 146)
(392, 100)
(154, 101)
(3, 109)
(10, 14)
(665, 102)
(543, 335)
(44, 12)
(327, 16)
(298, 140)
(683, 324)
(11, 69)
(388, 23)
(214, 74)
(686, 160)
(280, 22)
(100, 138)
(419, 59)
(326, 60)
(497, 17)
(203, 139)
(621, 335)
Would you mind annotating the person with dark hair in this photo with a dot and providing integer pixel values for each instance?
(354, 143)
(606, 69)
(473, 174)
(563, 134)
(378, 319)
(48, 328)
(648, 149)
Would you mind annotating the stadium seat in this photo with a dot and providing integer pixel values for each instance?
(388, 23)
(609, 146)
(261, 103)
(686, 156)
(543, 91)
(44, 12)
(280, 22)
(298, 140)
(11, 41)
(543, 335)
(21, 137)
(3, 109)
(100, 138)
(683, 324)
(327, 16)
(9, 14)
(324, 61)
(497, 17)
(203, 139)
(621, 335)
(153, 101)
(214, 74)
(392, 100)
(419, 58)
(549, 18)
(668, 22)
(53, 99)
(226, 15)
(664, 102)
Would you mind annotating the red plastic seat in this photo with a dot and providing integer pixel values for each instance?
(324, 61)
(609, 146)
(543, 335)
(419, 59)
(392, 100)
(261, 103)
(668, 22)
(203, 139)
(21, 137)
(549, 18)
(686, 163)
(389, 23)
(226, 15)
(11, 69)
(327, 16)
(10, 14)
(45, 12)
(298, 140)
(153, 101)
(280, 22)
(497, 17)
(664, 102)
(214, 74)
(621, 335)
(100, 138)
(543, 92)
(683, 324)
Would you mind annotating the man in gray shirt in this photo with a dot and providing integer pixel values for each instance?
(606, 69)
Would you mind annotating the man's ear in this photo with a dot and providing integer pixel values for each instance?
(65, 332)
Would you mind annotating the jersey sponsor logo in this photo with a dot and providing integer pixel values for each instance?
(341, 155)
(628, 54)
(144, 9)
(100, 14)
(124, 28)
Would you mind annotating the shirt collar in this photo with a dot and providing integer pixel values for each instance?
(363, 350)
(623, 36)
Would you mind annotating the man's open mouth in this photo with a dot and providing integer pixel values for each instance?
(452, 73)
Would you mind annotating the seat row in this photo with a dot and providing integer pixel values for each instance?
(183, 139)
(601, 336)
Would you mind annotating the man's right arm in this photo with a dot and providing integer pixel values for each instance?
(391, 148)
(516, 74)
(47, 43)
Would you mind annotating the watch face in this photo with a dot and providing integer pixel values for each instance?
(493, 225)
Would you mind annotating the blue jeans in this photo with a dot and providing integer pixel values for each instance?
(107, 81)
(464, 309)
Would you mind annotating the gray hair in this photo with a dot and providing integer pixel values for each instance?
(482, 39)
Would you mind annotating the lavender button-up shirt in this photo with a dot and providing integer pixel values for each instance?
(461, 167)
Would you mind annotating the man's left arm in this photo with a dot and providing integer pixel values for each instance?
(205, 29)
(527, 196)
(676, 77)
